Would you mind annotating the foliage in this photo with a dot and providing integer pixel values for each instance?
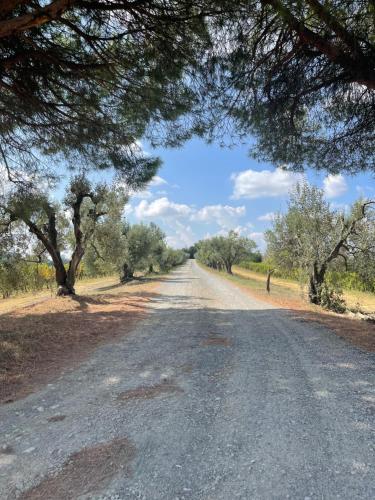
(311, 237)
(300, 77)
(348, 280)
(87, 79)
(331, 298)
(265, 266)
(224, 251)
(19, 276)
(47, 222)
(125, 249)
(191, 251)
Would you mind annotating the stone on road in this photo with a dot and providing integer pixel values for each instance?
(214, 395)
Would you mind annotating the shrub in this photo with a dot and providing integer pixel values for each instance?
(331, 298)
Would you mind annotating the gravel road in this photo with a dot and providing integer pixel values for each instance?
(214, 395)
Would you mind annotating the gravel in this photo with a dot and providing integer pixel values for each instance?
(274, 409)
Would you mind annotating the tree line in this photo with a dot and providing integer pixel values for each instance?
(223, 252)
(312, 242)
(83, 81)
(45, 240)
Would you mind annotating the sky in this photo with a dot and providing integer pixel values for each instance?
(203, 190)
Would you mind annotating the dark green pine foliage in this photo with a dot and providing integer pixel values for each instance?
(300, 77)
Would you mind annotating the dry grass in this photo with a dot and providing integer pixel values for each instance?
(365, 301)
(86, 472)
(83, 287)
(287, 295)
(38, 341)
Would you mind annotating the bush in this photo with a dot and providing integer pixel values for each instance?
(331, 298)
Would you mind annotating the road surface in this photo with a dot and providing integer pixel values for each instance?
(214, 395)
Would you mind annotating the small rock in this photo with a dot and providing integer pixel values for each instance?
(40, 408)
(29, 450)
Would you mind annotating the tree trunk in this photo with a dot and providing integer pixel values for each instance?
(228, 267)
(127, 273)
(268, 284)
(151, 268)
(315, 283)
(64, 287)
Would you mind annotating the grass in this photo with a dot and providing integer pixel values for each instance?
(84, 286)
(364, 301)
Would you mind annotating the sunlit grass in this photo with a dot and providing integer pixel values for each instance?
(83, 286)
(365, 301)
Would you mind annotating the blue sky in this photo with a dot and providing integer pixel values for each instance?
(203, 190)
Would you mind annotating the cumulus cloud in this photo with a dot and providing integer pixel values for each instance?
(266, 183)
(223, 215)
(157, 181)
(334, 186)
(259, 240)
(162, 207)
(270, 216)
(183, 235)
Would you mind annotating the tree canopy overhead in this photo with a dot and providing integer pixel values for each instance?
(90, 77)
(300, 77)
(85, 79)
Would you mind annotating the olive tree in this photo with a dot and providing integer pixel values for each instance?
(311, 236)
(225, 251)
(48, 222)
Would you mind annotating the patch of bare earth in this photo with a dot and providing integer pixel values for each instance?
(359, 332)
(215, 340)
(39, 342)
(149, 392)
(56, 418)
(86, 472)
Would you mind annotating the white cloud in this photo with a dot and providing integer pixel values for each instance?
(270, 216)
(259, 240)
(183, 235)
(145, 194)
(223, 215)
(266, 183)
(157, 181)
(334, 186)
(162, 207)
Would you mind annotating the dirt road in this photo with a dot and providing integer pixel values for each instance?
(213, 396)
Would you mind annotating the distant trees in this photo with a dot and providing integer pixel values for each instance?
(191, 251)
(120, 247)
(312, 238)
(222, 252)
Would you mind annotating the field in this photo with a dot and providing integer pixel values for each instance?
(364, 301)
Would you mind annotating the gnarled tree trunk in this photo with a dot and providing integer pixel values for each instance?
(315, 283)
(127, 273)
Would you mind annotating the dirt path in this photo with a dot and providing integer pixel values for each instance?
(214, 395)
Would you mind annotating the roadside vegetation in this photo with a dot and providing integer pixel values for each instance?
(47, 243)
(324, 250)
